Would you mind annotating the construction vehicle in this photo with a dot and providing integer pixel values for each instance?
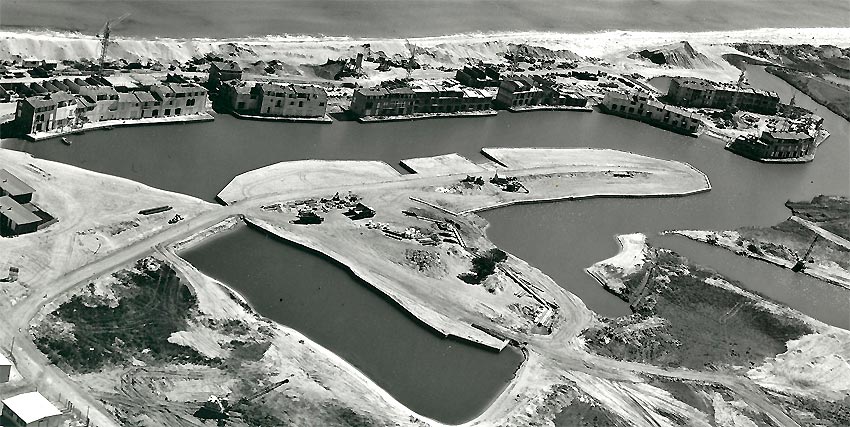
(216, 408)
(104, 34)
(801, 261)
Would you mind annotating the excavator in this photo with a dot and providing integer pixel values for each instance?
(801, 261)
(218, 409)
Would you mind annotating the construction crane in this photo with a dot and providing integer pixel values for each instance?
(800, 265)
(104, 34)
(412, 50)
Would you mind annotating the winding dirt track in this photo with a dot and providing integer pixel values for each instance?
(558, 349)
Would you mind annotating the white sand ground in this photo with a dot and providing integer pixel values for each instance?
(297, 176)
(446, 164)
(632, 256)
(606, 48)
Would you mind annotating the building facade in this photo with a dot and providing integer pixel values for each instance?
(776, 146)
(382, 102)
(46, 113)
(290, 100)
(149, 106)
(702, 93)
(180, 98)
(240, 97)
(641, 106)
(519, 93)
(221, 72)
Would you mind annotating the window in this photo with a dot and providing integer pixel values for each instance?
(167, 111)
(300, 103)
(177, 111)
(240, 105)
(321, 104)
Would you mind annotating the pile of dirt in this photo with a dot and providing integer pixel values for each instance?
(532, 54)
(680, 54)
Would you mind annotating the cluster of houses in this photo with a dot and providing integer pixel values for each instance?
(66, 105)
(533, 91)
(398, 98)
(642, 106)
(702, 93)
(265, 99)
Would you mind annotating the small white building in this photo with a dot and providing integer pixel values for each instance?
(5, 369)
(31, 410)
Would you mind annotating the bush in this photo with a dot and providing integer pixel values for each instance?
(483, 266)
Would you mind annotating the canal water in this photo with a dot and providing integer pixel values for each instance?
(559, 238)
(448, 379)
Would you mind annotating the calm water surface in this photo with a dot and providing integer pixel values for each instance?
(450, 380)
(412, 18)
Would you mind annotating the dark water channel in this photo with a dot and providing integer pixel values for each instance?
(444, 379)
(448, 379)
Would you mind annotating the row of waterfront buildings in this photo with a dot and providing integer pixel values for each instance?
(61, 105)
(794, 137)
(405, 99)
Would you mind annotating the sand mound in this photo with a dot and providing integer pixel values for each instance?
(681, 55)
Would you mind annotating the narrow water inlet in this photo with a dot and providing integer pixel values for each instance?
(448, 379)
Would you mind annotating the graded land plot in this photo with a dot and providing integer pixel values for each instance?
(297, 176)
(447, 164)
(687, 315)
(89, 224)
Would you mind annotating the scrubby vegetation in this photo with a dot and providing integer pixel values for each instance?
(830, 212)
(146, 305)
(682, 319)
(586, 414)
(483, 265)
(810, 412)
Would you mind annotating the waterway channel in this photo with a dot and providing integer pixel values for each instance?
(447, 379)
(559, 238)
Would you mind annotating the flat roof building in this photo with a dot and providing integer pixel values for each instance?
(15, 219)
(31, 409)
(12, 186)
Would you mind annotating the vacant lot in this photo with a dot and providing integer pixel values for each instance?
(682, 319)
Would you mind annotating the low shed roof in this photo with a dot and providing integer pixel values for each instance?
(13, 185)
(4, 361)
(31, 407)
(13, 210)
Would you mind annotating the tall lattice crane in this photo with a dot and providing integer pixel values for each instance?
(412, 58)
(104, 34)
